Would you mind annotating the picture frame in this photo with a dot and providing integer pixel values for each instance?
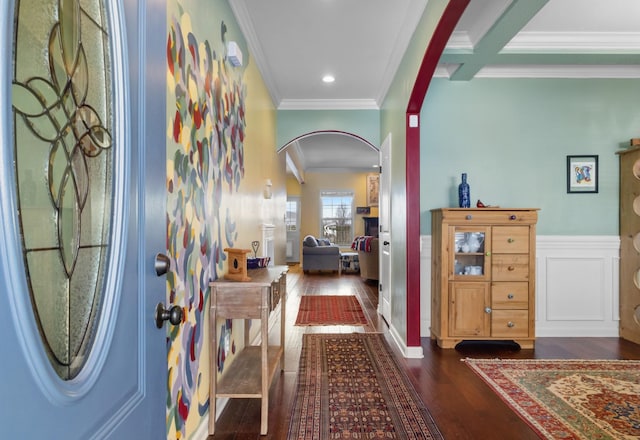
(373, 188)
(582, 174)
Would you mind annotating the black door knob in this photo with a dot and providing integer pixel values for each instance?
(173, 315)
(161, 264)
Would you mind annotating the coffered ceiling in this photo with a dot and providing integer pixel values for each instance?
(361, 42)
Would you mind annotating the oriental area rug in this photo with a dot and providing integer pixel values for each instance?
(330, 310)
(568, 399)
(350, 386)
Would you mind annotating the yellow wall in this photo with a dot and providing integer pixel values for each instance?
(262, 163)
(221, 131)
(293, 186)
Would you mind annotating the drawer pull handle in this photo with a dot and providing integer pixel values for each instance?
(510, 324)
(469, 217)
(510, 296)
(510, 240)
(512, 217)
(487, 310)
(488, 254)
(511, 268)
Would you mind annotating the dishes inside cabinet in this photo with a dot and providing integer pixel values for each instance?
(467, 242)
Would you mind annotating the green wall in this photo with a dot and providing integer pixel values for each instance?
(295, 123)
(512, 137)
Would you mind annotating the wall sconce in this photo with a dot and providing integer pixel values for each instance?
(267, 189)
(234, 54)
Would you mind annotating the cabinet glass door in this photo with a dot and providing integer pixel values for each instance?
(471, 252)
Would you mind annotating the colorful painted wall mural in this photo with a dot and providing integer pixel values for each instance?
(206, 132)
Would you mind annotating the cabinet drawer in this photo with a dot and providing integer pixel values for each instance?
(510, 267)
(510, 324)
(485, 216)
(505, 295)
(510, 240)
(238, 302)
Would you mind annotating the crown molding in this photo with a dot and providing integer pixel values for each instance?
(459, 40)
(256, 52)
(572, 41)
(548, 71)
(558, 41)
(328, 104)
(411, 20)
(576, 72)
(334, 170)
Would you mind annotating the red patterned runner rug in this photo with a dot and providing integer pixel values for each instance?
(330, 310)
(350, 386)
(569, 399)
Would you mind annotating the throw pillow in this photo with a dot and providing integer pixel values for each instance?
(310, 241)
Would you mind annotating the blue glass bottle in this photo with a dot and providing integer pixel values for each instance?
(464, 193)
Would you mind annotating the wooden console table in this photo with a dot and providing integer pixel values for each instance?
(255, 366)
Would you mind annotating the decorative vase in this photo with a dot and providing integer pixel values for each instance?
(464, 193)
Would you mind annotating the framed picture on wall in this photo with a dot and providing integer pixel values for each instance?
(582, 174)
(373, 186)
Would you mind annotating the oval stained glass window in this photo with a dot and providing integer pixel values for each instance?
(62, 102)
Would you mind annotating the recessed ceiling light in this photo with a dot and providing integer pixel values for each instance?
(328, 78)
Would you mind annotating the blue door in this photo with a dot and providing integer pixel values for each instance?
(82, 178)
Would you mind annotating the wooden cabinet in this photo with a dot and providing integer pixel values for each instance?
(630, 244)
(253, 369)
(483, 275)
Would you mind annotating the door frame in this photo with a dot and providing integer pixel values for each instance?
(384, 231)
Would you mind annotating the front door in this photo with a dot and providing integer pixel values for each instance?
(80, 194)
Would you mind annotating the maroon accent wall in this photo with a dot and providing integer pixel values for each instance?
(447, 23)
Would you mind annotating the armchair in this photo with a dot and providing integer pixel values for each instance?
(367, 247)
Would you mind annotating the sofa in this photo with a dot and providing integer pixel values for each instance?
(368, 256)
(320, 254)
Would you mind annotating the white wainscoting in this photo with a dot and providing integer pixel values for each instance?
(577, 288)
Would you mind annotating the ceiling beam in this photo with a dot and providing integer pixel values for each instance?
(294, 168)
(512, 20)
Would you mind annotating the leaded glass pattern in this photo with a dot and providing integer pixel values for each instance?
(62, 101)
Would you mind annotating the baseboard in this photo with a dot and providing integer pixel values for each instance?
(202, 433)
(577, 329)
(408, 352)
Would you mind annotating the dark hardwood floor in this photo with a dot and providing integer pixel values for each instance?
(462, 406)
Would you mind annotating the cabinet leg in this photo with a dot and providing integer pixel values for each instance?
(264, 422)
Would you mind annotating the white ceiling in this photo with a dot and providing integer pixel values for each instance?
(296, 42)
